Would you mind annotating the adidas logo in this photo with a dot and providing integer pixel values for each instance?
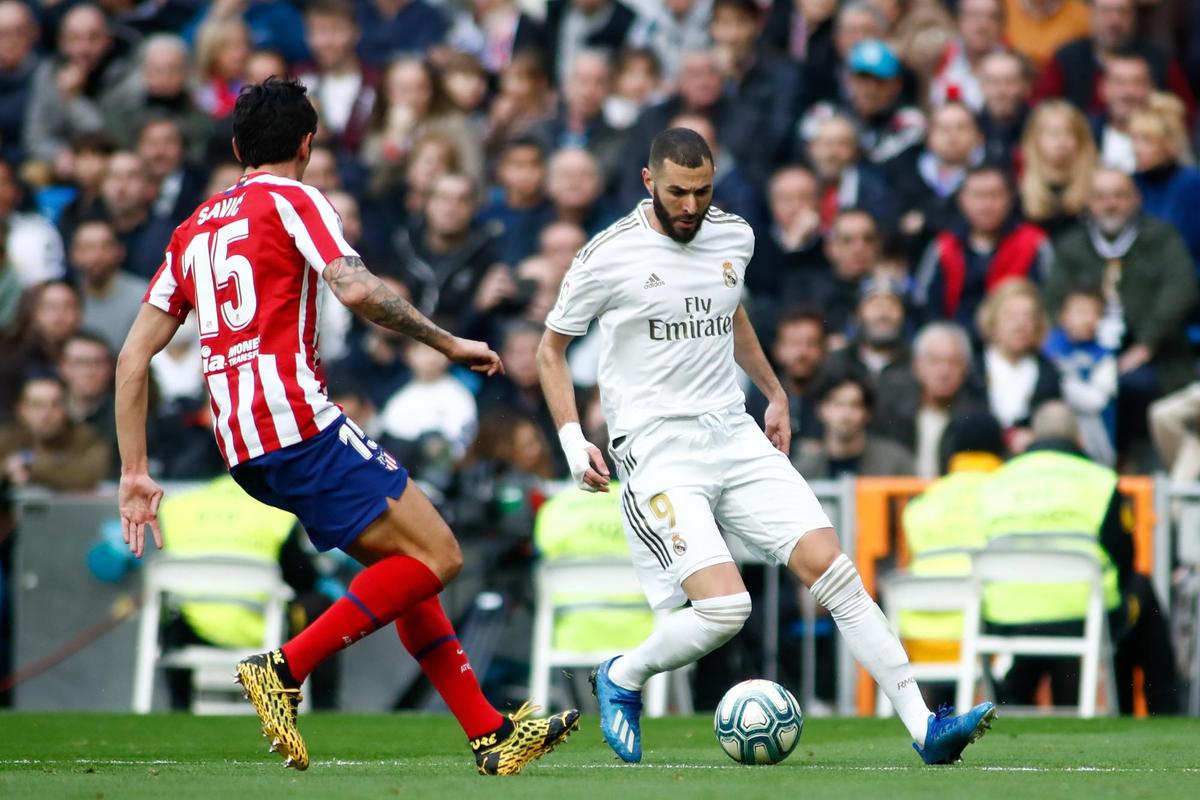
(653, 282)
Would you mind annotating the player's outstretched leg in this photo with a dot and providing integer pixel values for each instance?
(377, 595)
(818, 561)
(677, 640)
(502, 746)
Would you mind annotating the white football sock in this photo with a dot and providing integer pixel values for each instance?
(681, 638)
(871, 642)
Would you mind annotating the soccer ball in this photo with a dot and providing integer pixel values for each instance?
(758, 722)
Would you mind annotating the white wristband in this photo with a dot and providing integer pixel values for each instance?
(571, 437)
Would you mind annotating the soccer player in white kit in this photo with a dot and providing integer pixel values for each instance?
(665, 284)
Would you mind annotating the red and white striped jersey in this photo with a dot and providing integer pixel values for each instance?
(250, 262)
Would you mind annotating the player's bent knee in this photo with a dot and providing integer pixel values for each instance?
(723, 617)
(815, 553)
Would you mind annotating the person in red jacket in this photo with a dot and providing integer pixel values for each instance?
(966, 262)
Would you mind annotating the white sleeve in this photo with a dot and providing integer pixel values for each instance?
(580, 300)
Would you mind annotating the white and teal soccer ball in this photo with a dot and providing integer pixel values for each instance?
(758, 722)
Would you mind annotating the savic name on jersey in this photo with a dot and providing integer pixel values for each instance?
(665, 311)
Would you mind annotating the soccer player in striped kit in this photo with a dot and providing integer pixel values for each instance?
(250, 263)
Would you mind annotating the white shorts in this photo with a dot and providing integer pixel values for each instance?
(686, 480)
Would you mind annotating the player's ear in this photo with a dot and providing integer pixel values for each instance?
(305, 150)
(648, 180)
(236, 153)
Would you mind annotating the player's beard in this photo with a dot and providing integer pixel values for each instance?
(668, 222)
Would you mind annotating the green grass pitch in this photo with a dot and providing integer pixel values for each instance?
(175, 757)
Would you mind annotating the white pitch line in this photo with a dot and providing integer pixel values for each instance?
(133, 762)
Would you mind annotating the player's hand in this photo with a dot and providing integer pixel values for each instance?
(476, 355)
(777, 424)
(138, 500)
(584, 459)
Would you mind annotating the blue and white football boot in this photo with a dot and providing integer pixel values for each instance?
(620, 714)
(947, 736)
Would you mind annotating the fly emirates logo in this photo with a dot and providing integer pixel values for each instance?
(700, 323)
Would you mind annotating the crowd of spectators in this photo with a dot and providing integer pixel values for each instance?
(959, 206)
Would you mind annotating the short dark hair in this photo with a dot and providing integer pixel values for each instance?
(800, 314)
(750, 7)
(1088, 289)
(100, 219)
(835, 379)
(682, 146)
(991, 168)
(342, 9)
(270, 120)
(97, 142)
(91, 338)
(159, 118)
(523, 142)
(39, 376)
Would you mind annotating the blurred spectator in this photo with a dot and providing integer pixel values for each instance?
(879, 345)
(1173, 426)
(1149, 285)
(180, 186)
(518, 391)
(1074, 72)
(1169, 185)
(406, 193)
(574, 186)
(322, 171)
(980, 33)
(1125, 87)
(432, 405)
(1058, 157)
(575, 25)
(852, 249)
(444, 256)
(802, 30)
(357, 405)
(953, 146)
(222, 54)
(18, 62)
(559, 242)
(671, 29)
(792, 242)
(526, 98)
(579, 121)
(412, 104)
(86, 368)
(344, 87)
(33, 248)
(158, 88)
(1037, 28)
(763, 88)
(915, 407)
(845, 401)
(1013, 324)
(262, 64)
(798, 353)
(543, 278)
(275, 25)
(65, 98)
(518, 200)
(637, 84)
(826, 76)
(1004, 86)
(10, 288)
(493, 30)
(375, 362)
(968, 261)
(44, 446)
(176, 369)
(888, 128)
(466, 85)
(89, 163)
(920, 37)
(732, 190)
(392, 28)
(128, 194)
(47, 316)
(1054, 490)
(845, 182)
(111, 298)
(1087, 370)
(223, 176)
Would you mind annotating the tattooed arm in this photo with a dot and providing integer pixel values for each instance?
(360, 290)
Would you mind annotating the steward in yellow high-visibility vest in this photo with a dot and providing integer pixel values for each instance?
(944, 520)
(575, 524)
(1050, 490)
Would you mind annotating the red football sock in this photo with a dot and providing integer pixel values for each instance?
(430, 638)
(378, 595)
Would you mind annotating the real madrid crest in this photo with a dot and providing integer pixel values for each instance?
(678, 544)
(730, 275)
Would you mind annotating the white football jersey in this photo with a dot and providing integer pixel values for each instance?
(666, 316)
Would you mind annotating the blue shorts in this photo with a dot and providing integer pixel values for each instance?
(336, 483)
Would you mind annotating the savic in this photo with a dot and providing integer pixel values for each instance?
(661, 330)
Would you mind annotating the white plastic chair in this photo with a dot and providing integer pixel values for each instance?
(205, 579)
(1020, 560)
(901, 592)
(602, 578)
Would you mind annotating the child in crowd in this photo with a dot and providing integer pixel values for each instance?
(1089, 370)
